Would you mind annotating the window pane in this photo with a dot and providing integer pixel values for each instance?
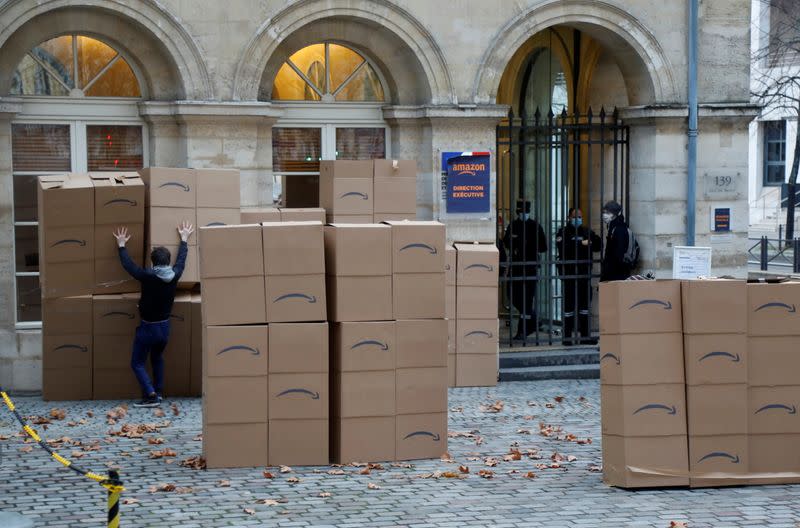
(775, 174)
(40, 147)
(344, 61)
(311, 61)
(117, 81)
(31, 79)
(289, 86)
(26, 248)
(57, 54)
(775, 130)
(296, 149)
(360, 143)
(365, 86)
(93, 55)
(112, 148)
(25, 199)
(29, 302)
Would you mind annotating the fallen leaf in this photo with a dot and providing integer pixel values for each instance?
(38, 420)
(336, 472)
(376, 467)
(452, 474)
(456, 409)
(194, 462)
(169, 460)
(198, 438)
(529, 417)
(556, 457)
(183, 491)
(595, 469)
(571, 458)
(530, 475)
(155, 441)
(90, 414)
(513, 455)
(446, 457)
(373, 486)
(293, 480)
(162, 487)
(268, 502)
(364, 471)
(249, 511)
(286, 469)
(582, 399)
(166, 452)
(324, 494)
(268, 475)
(224, 483)
(678, 524)
(532, 404)
(524, 431)
(77, 454)
(127, 501)
(559, 399)
(58, 414)
(485, 473)
(26, 449)
(550, 405)
(175, 410)
(158, 412)
(495, 407)
(4, 437)
(491, 461)
(463, 469)
(401, 465)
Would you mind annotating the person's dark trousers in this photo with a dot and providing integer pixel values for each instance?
(150, 341)
(576, 297)
(523, 296)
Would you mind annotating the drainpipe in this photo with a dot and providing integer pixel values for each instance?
(691, 190)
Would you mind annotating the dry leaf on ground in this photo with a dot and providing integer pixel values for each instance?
(485, 473)
(127, 501)
(26, 449)
(268, 502)
(58, 414)
(194, 462)
(249, 511)
(166, 452)
(155, 441)
(162, 487)
(285, 469)
(336, 472)
(224, 483)
(268, 475)
(373, 486)
(364, 471)
(595, 469)
(678, 524)
(175, 410)
(571, 458)
(495, 407)
(559, 399)
(198, 438)
(158, 412)
(463, 469)
(530, 475)
(324, 494)
(293, 480)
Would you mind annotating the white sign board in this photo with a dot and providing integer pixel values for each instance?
(689, 262)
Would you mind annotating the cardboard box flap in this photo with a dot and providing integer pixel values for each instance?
(116, 178)
(69, 180)
(395, 168)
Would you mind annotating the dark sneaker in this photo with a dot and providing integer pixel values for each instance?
(150, 401)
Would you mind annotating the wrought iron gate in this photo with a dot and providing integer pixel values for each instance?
(550, 268)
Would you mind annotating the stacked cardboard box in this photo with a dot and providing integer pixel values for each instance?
(118, 201)
(252, 215)
(715, 353)
(362, 192)
(450, 311)
(196, 353)
(66, 235)
(256, 215)
(67, 348)
(115, 320)
(773, 386)
(178, 354)
(218, 199)
(269, 383)
(395, 189)
(476, 315)
(642, 384)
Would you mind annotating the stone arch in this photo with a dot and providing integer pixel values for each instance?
(390, 36)
(163, 53)
(644, 64)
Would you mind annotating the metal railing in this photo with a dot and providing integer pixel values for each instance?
(771, 254)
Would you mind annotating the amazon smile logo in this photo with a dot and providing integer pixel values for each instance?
(117, 314)
(667, 305)
(253, 351)
(121, 201)
(434, 437)
(179, 185)
(656, 406)
(720, 454)
(733, 358)
(790, 308)
(484, 267)
(778, 406)
(67, 241)
(431, 250)
(483, 333)
(370, 342)
(609, 355)
(314, 395)
(363, 196)
(82, 348)
(311, 299)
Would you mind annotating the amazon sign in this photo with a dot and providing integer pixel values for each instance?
(468, 182)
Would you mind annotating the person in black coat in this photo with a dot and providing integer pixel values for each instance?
(614, 266)
(576, 243)
(524, 241)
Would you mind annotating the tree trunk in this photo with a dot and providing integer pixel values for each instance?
(792, 185)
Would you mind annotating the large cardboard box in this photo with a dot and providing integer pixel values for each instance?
(395, 186)
(178, 353)
(235, 400)
(421, 343)
(367, 298)
(476, 336)
(254, 215)
(196, 362)
(67, 316)
(717, 409)
(66, 200)
(346, 187)
(451, 336)
(163, 222)
(421, 390)
(234, 300)
(772, 309)
(715, 358)
(450, 264)
(215, 216)
(644, 462)
(641, 359)
(170, 187)
(235, 445)
(418, 247)
(643, 410)
(714, 307)
(218, 188)
(66, 383)
(301, 214)
(116, 315)
(773, 410)
(421, 436)
(772, 361)
(299, 442)
(296, 298)
(640, 307)
(477, 265)
(117, 383)
(365, 346)
(298, 396)
(67, 347)
(338, 169)
(418, 296)
(449, 301)
(236, 351)
(118, 198)
(774, 459)
(109, 275)
(298, 347)
(367, 439)
(476, 370)
(719, 460)
(362, 394)
(349, 219)
(393, 217)
(231, 251)
(451, 370)
(476, 302)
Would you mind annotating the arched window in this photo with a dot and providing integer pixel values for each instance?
(327, 72)
(75, 65)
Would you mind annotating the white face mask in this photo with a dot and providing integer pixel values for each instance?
(607, 217)
(525, 216)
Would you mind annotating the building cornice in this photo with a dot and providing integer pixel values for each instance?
(213, 111)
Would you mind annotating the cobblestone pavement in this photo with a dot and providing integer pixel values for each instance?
(33, 484)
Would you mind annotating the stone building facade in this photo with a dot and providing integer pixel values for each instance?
(205, 84)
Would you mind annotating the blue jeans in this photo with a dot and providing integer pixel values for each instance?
(150, 340)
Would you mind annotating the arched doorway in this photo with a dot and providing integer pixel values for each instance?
(79, 114)
(562, 148)
(332, 97)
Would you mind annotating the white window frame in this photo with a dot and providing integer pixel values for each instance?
(77, 113)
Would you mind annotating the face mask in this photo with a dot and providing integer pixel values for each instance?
(525, 216)
(577, 222)
(607, 217)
